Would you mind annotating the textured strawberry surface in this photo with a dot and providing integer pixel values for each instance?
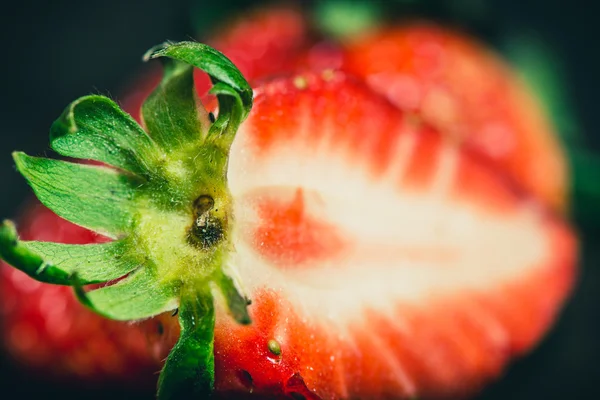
(468, 93)
(432, 273)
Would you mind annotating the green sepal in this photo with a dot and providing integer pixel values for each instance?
(137, 296)
(347, 19)
(95, 128)
(171, 113)
(56, 262)
(233, 92)
(21, 257)
(237, 303)
(189, 369)
(231, 114)
(145, 197)
(585, 167)
(543, 70)
(93, 263)
(94, 197)
(209, 60)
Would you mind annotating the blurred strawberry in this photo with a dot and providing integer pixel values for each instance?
(47, 329)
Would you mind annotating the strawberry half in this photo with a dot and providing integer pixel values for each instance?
(468, 93)
(380, 259)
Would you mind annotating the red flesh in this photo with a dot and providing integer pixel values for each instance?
(448, 341)
(469, 94)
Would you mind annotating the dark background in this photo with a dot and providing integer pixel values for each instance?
(54, 52)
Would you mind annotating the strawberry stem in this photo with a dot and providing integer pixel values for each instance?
(189, 370)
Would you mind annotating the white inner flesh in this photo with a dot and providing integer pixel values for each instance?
(406, 246)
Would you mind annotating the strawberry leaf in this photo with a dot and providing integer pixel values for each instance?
(93, 263)
(189, 369)
(171, 113)
(136, 297)
(163, 194)
(231, 114)
(97, 198)
(95, 128)
(209, 60)
(232, 90)
(56, 262)
(18, 255)
(236, 302)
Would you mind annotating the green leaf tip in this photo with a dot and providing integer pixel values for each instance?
(231, 88)
(58, 263)
(207, 59)
(237, 303)
(13, 252)
(95, 197)
(95, 128)
(137, 296)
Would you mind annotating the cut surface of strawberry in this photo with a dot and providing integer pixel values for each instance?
(389, 263)
(468, 93)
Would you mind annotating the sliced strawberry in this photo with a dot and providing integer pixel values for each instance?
(383, 261)
(468, 93)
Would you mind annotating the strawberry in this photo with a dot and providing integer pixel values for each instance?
(467, 92)
(373, 250)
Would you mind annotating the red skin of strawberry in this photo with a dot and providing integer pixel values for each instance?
(468, 93)
(444, 343)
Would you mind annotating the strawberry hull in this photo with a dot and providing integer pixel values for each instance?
(78, 343)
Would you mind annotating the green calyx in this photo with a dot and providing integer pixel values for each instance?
(160, 193)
